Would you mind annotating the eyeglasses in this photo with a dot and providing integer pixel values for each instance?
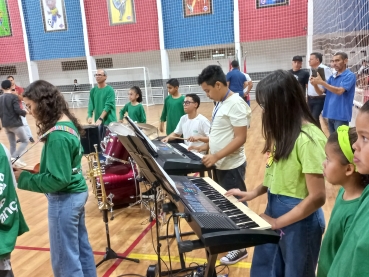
(99, 75)
(186, 103)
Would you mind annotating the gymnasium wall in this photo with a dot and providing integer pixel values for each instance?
(192, 31)
(12, 47)
(106, 39)
(58, 44)
(272, 22)
(341, 17)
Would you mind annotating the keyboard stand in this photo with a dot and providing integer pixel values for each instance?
(177, 234)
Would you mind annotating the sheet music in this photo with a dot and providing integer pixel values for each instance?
(170, 180)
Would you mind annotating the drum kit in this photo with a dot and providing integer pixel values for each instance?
(118, 170)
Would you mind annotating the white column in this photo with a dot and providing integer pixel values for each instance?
(236, 30)
(91, 63)
(310, 31)
(163, 52)
(31, 66)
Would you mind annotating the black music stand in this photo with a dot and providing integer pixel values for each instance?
(154, 174)
(150, 148)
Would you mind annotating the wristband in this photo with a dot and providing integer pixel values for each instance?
(101, 119)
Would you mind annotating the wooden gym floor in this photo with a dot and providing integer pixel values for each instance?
(130, 231)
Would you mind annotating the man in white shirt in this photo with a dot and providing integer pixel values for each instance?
(227, 137)
(247, 89)
(316, 100)
(193, 126)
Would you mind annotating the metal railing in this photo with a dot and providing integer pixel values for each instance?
(79, 99)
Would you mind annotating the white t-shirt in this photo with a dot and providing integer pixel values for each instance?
(199, 126)
(327, 72)
(233, 112)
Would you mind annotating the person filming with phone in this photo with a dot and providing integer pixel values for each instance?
(339, 90)
(315, 97)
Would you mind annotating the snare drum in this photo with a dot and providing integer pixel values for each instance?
(113, 149)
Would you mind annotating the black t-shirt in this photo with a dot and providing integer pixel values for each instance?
(302, 76)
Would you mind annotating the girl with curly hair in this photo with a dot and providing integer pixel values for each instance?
(61, 179)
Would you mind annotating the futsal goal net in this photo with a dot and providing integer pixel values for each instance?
(122, 79)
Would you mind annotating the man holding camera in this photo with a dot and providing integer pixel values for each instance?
(315, 98)
(339, 90)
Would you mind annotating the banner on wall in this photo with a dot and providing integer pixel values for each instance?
(121, 12)
(5, 28)
(270, 3)
(53, 13)
(197, 7)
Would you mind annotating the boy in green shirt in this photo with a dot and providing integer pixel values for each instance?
(12, 223)
(173, 107)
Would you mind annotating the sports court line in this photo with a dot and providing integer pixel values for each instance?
(46, 249)
(200, 261)
(117, 262)
(129, 249)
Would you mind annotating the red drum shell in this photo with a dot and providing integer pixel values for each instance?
(119, 180)
(114, 148)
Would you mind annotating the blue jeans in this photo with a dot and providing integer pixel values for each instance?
(71, 252)
(333, 124)
(316, 105)
(297, 252)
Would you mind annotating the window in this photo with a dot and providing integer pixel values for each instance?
(218, 54)
(8, 70)
(104, 63)
(204, 55)
(209, 54)
(74, 65)
(188, 56)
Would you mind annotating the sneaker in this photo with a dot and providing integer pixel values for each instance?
(234, 256)
(18, 163)
(31, 140)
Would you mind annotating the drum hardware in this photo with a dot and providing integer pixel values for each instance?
(104, 202)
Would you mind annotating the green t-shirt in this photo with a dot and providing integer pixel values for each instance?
(12, 223)
(102, 99)
(136, 113)
(172, 112)
(61, 154)
(352, 258)
(341, 218)
(287, 176)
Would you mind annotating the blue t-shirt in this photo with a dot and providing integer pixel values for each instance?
(236, 80)
(339, 107)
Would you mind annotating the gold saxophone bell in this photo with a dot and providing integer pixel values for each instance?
(97, 182)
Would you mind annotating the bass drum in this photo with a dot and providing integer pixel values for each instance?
(119, 180)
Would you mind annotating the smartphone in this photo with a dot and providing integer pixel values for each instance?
(319, 70)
